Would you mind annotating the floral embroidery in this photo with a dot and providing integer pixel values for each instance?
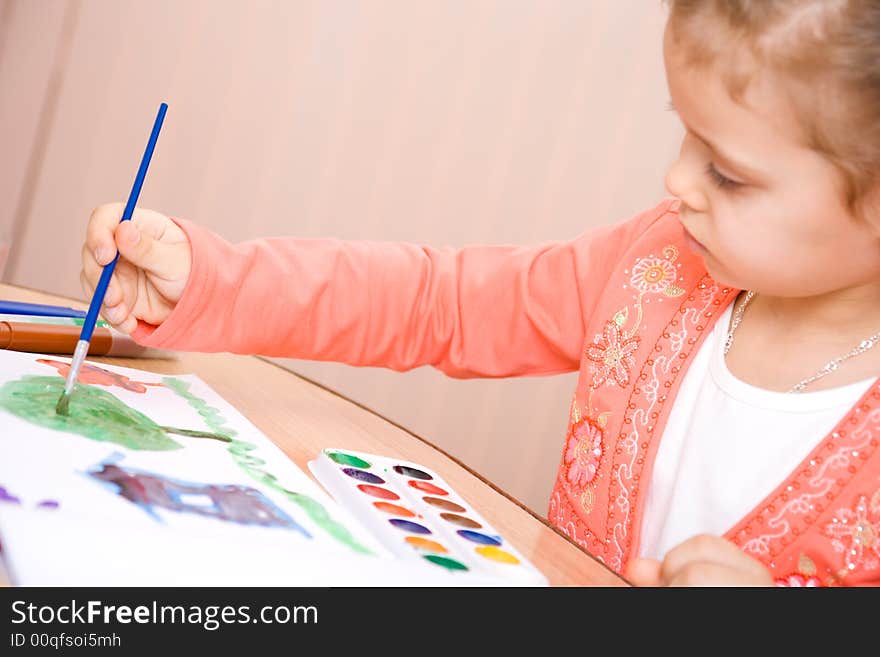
(613, 356)
(804, 577)
(588, 498)
(575, 412)
(856, 533)
(659, 371)
(652, 275)
(797, 580)
(583, 452)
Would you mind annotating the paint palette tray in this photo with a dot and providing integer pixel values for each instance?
(417, 516)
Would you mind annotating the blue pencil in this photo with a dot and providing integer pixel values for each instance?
(23, 308)
(82, 345)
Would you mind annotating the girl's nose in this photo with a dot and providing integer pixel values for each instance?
(683, 181)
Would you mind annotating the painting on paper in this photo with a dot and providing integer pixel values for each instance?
(157, 478)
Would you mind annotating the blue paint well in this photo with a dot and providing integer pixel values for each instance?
(409, 526)
(477, 537)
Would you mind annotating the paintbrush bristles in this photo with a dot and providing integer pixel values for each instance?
(79, 355)
(63, 406)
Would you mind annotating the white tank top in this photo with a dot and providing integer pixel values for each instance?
(727, 445)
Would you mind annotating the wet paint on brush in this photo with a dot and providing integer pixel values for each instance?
(425, 487)
(409, 526)
(408, 471)
(363, 475)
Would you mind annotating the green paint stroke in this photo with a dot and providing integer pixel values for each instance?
(193, 433)
(94, 413)
(252, 465)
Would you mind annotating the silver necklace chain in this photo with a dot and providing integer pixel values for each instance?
(828, 368)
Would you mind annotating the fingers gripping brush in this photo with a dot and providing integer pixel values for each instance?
(82, 345)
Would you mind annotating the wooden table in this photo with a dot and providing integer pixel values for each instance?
(302, 418)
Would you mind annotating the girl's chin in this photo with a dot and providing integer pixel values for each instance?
(718, 273)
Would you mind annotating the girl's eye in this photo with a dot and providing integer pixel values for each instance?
(720, 180)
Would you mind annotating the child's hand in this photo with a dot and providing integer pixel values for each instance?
(153, 267)
(703, 560)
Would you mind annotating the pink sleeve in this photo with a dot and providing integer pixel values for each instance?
(479, 311)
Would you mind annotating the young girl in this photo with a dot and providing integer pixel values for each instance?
(725, 425)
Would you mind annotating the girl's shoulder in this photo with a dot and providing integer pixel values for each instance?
(648, 232)
(653, 223)
(659, 218)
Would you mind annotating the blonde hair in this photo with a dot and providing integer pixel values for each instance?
(829, 49)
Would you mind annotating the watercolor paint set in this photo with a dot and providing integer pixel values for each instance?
(417, 516)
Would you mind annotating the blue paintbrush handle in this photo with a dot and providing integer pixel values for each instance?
(101, 289)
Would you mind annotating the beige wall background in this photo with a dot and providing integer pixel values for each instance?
(447, 122)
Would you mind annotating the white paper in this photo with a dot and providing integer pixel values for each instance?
(193, 515)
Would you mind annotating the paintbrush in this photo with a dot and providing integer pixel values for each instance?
(82, 345)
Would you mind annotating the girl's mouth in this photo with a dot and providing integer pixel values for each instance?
(692, 242)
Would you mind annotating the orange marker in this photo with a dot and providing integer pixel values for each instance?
(60, 339)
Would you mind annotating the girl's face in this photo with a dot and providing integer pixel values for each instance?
(764, 211)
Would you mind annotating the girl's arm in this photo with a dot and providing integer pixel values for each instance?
(487, 311)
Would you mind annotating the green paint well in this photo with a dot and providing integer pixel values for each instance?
(348, 459)
(94, 413)
(252, 466)
(446, 562)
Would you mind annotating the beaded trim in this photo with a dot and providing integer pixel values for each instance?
(815, 485)
(855, 534)
(658, 375)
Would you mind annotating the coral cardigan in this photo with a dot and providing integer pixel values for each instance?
(627, 305)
